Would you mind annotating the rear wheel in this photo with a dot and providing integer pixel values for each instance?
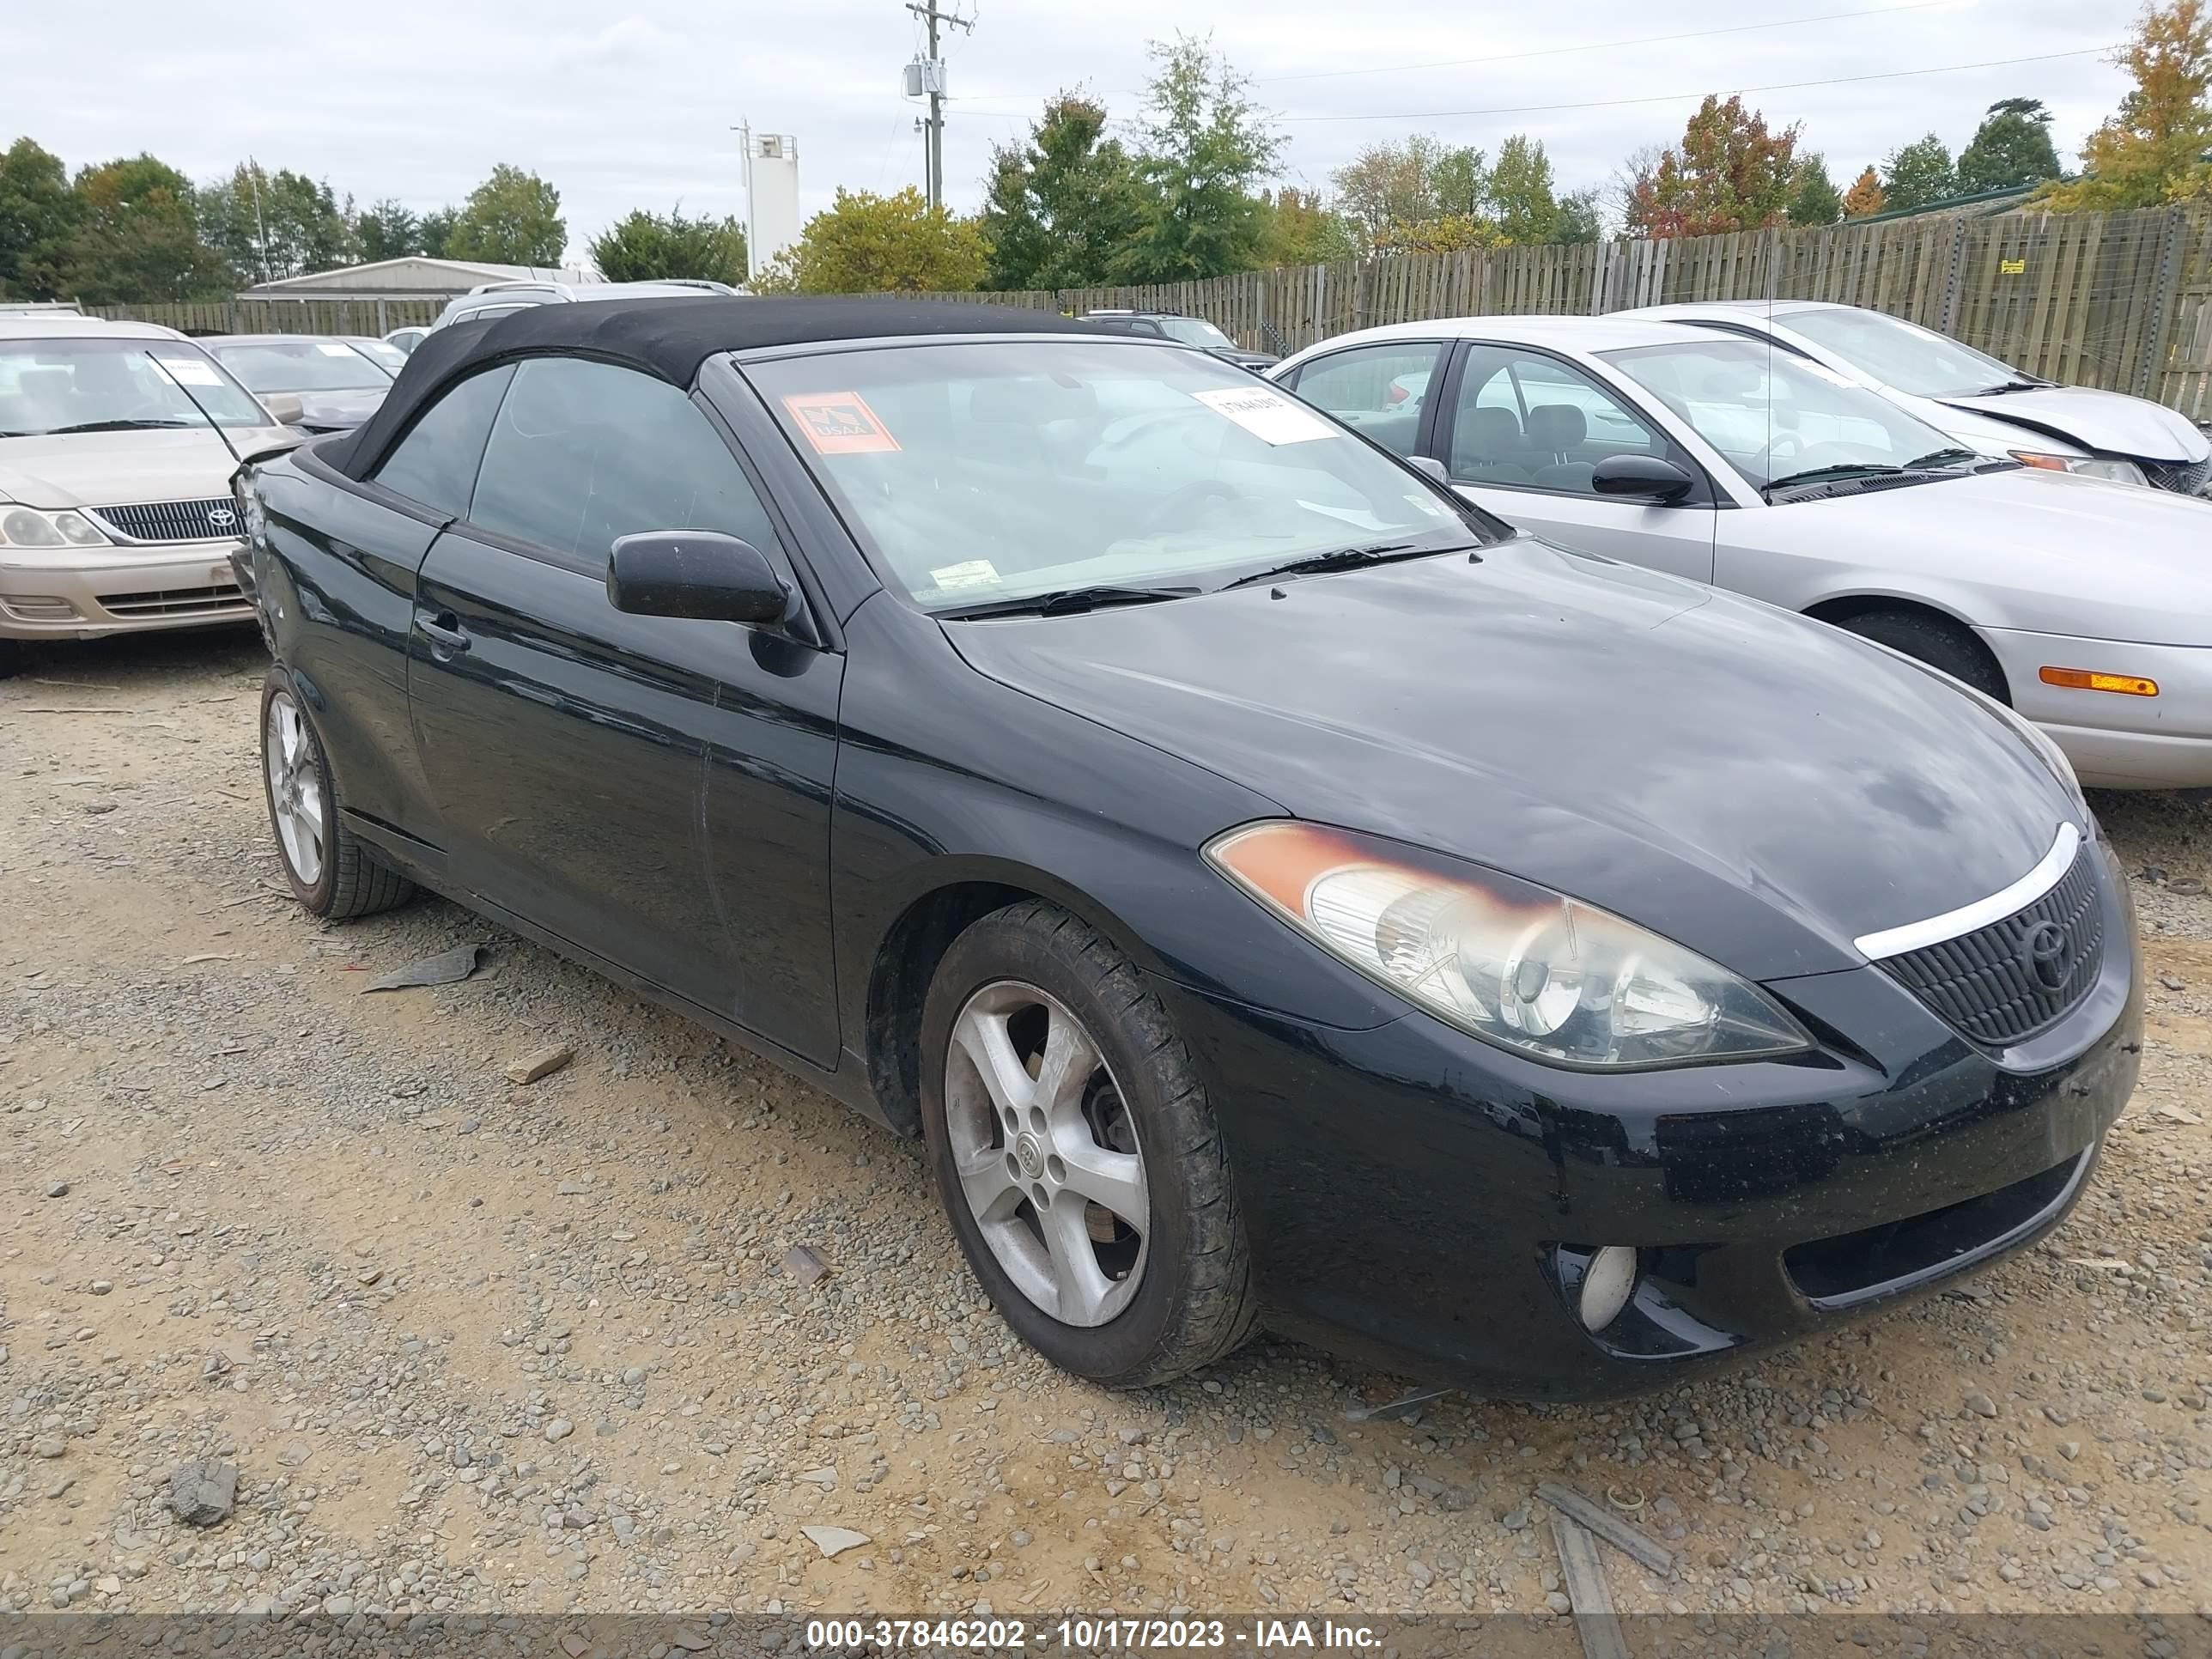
(1936, 641)
(1076, 1154)
(332, 871)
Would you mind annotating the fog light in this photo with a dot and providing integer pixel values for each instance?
(1607, 1283)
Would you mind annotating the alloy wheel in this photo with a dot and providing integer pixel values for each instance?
(295, 789)
(1047, 1153)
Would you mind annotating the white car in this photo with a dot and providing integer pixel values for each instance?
(117, 444)
(1984, 404)
(2086, 605)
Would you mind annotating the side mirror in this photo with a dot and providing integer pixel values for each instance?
(1429, 467)
(1641, 477)
(285, 407)
(695, 573)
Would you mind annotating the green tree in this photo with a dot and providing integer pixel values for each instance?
(1728, 173)
(2158, 146)
(1063, 209)
(1444, 233)
(513, 218)
(271, 226)
(1581, 218)
(870, 244)
(2011, 148)
(135, 240)
(1403, 184)
(37, 213)
(436, 232)
(1302, 231)
(388, 230)
(1520, 196)
(1919, 175)
(1814, 197)
(1205, 146)
(642, 247)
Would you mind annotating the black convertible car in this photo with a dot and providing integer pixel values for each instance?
(1272, 890)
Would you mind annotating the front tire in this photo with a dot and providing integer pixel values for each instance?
(1077, 1153)
(330, 871)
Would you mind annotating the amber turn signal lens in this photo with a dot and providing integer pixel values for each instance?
(2090, 679)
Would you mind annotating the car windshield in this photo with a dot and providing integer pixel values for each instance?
(983, 472)
(1194, 331)
(1776, 417)
(1912, 359)
(301, 366)
(381, 352)
(54, 385)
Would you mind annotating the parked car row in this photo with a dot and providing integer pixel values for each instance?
(2083, 604)
(1273, 884)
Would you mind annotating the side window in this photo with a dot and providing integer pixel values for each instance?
(1521, 419)
(583, 453)
(435, 464)
(1379, 389)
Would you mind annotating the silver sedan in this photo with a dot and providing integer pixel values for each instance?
(2086, 605)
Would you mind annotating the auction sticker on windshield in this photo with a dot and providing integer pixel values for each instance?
(185, 371)
(1268, 415)
(839, 423)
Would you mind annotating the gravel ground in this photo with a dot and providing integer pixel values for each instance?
(476, 1347)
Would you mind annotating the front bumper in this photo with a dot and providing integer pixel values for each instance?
(83, 592)
(2116, 741)
(1423, 1201)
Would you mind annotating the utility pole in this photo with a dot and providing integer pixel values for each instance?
(931, 80)
(744, 131)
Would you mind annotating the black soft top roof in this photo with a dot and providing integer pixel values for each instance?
(665, 337)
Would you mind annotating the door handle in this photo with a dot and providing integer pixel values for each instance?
(445, 634)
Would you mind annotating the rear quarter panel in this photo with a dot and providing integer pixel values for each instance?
(335, 572)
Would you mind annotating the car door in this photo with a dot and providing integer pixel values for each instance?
(1381, 390)
(1521, 432)
(570, 745)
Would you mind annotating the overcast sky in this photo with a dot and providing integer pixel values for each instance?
(622, 103)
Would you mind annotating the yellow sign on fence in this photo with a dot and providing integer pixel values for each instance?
(2013, 267)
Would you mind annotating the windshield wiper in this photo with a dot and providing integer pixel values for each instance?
(1066, 601)
(1950, 455)
(1343, 558)
(2013, 385)
(114, 426)
(1835, 474)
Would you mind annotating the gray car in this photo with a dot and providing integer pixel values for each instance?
(1983, 401)
(2084, 604)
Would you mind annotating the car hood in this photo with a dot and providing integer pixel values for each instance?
(2110, 422)
(337, 411)
(105, 469)
(1760, 787)
(1252, 360)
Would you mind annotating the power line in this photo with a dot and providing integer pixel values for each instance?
(1599, 46)
(1673, 97)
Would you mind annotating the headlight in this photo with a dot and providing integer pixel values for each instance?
(26, 526)
(1509, 962)
(2089, 466)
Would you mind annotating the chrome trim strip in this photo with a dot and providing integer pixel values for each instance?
(1916, 935)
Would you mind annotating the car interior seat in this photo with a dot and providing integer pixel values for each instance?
(1556, 431)
(1488, 446)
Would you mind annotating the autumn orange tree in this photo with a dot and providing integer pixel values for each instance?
(1865, 196)
(1728, 173)
(2157, 147)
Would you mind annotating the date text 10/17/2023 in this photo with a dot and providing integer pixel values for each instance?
(1100, 1635)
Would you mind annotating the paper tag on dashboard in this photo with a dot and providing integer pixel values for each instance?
(1267, 414)
(333, 349)
(973, 572)
(184, 371)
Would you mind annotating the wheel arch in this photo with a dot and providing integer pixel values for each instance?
(1840, 609)
(956, 895)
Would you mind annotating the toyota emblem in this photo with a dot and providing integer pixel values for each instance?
(2045, 954)
(220, 517)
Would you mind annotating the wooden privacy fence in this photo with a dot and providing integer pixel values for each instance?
(256, 315)
(2120, 301)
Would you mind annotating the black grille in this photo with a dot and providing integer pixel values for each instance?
(173, 521)
(1986, 983)
(172, 602)
(2185, 477)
